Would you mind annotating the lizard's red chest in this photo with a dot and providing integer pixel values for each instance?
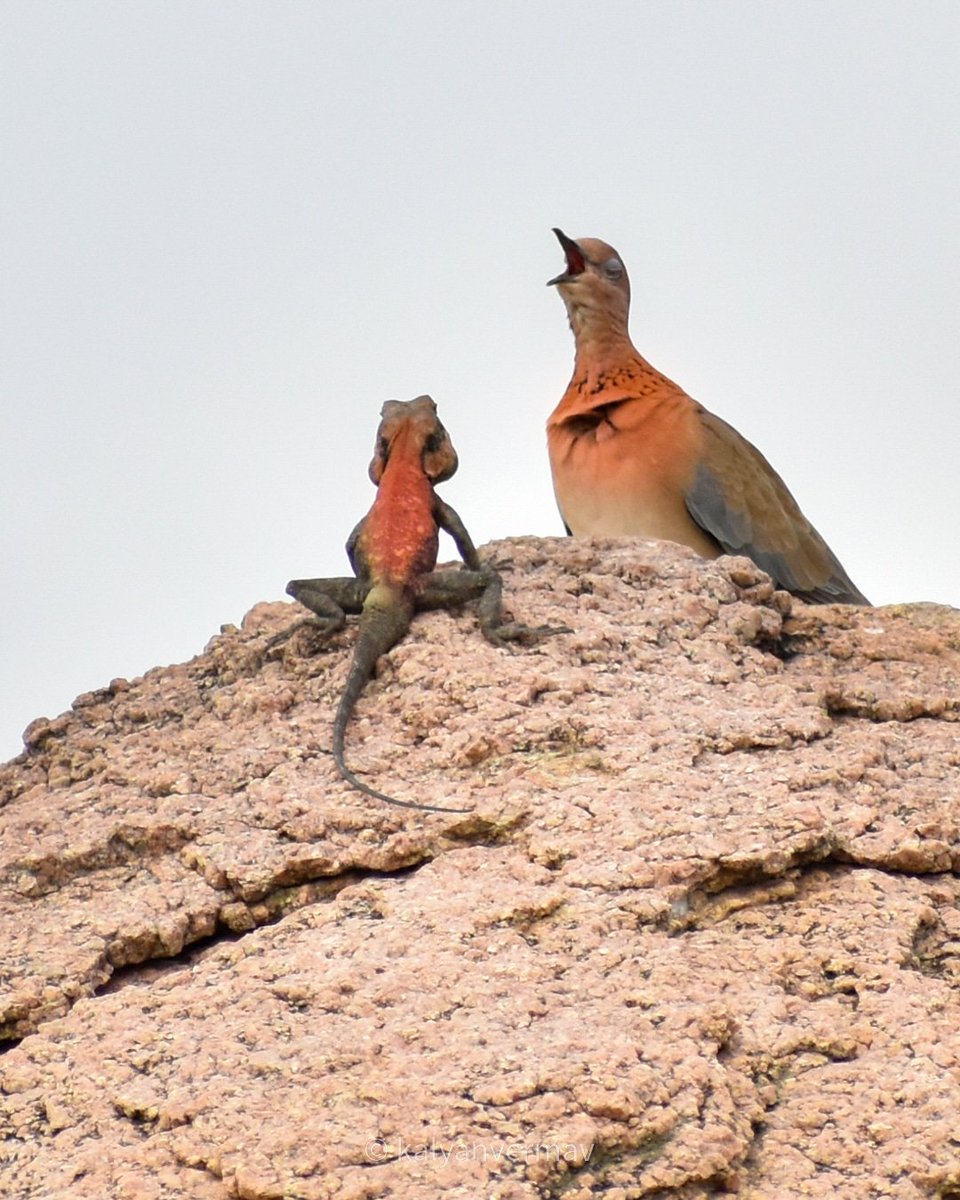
(399, 540)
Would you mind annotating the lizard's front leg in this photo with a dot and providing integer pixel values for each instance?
(449, 519)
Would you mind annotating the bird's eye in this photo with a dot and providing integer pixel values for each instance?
(613, 268)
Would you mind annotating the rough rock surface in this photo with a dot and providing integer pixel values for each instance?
(700, 935)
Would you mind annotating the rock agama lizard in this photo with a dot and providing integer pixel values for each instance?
(393, 552)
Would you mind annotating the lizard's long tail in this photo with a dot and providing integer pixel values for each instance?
(385, 619)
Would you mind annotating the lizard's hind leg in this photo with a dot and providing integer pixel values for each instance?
(329, 600)
(447, 589)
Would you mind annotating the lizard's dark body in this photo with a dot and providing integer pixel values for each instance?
(393, 552)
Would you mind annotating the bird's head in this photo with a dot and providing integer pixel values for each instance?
(595, 286)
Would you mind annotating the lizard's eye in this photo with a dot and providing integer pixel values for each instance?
(612, 268)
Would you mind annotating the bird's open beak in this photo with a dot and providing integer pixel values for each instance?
(576, 263)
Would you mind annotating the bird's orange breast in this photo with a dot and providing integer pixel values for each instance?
(622, 467)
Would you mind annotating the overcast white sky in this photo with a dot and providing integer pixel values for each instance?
(230, 230)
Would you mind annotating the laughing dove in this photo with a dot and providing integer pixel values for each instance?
(632, 454)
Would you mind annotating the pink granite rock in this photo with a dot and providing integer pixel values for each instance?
(699, 936)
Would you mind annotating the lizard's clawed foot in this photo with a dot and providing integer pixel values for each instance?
(496, 565)
(321, 629)
(526, 635)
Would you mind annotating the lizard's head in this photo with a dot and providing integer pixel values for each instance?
(412, 428)
(595, 285)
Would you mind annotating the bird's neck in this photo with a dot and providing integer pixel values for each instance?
(602, 347)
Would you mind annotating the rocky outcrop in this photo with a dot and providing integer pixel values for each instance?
(698, 936)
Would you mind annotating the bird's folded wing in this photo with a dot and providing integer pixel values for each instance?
(739, 499)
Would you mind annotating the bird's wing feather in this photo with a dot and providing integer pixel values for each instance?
(739, 499)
